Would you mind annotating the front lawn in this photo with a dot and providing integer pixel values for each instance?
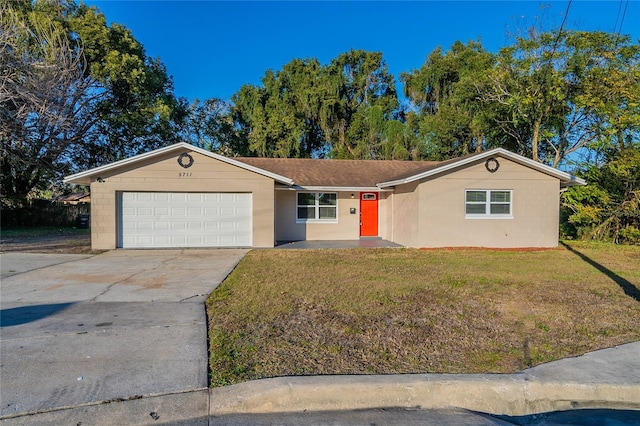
(381, 311)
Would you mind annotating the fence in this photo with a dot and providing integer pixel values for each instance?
(43, 213)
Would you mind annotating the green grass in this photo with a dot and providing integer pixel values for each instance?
(379, 311)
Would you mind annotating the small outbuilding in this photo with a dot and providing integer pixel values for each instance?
(184, 196)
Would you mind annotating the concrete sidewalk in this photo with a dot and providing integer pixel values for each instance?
(609, 378)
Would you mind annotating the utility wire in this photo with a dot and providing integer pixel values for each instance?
(615, 26)
(624, 13)
(564, 21)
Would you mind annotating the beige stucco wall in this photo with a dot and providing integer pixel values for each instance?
(347, 227)
(163, 174)
(385, 206)
(405, 215)
(441, 218)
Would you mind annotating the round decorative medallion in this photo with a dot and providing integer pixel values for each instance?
(492, 165)
(185, 160)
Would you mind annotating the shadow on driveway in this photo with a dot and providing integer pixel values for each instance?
(30, 313)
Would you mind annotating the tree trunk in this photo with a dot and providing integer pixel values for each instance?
(556, 159)
(534, 139)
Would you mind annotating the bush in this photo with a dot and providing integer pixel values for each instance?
(630, 235)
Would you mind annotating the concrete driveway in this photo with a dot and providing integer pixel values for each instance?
(77, 329)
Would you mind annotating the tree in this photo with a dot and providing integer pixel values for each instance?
(209, 125)
(445, 110)
(608, 208)
(360, 99)
(46, 99)
(281, 118)
(305, 109)
(546, 97)
(610, 88)
(138, 111)
(75, 93)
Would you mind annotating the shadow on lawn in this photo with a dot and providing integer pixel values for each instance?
(628, 287)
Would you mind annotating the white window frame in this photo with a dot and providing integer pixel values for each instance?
(316, 206)
(487, 203)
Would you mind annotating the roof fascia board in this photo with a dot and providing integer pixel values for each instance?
(334, 188)
(563, 176)
(120, 163)
(274, 176)
(543, 168)
(181, 145)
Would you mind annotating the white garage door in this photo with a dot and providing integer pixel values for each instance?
(170, 219)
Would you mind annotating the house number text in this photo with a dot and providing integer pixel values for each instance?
(185, 174)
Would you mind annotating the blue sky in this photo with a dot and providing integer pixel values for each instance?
(212, 48)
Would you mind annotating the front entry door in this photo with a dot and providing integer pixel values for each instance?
(368, 214)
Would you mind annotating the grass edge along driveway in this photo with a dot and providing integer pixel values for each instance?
(391, 311)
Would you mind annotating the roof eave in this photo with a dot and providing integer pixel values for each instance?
(333, 188)
(543, 168)
(574, 181)
(84, 178)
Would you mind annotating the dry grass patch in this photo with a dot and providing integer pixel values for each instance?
(380, 311)
(46, 239)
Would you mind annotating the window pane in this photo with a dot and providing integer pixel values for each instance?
(500, 196)
(479, 196)
(500, 209)
(327, 212)
(306, 199)
(306, 213)
(328, 199)
(476, 209)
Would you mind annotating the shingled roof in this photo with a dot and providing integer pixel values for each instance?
(339, 173)
(333, 173)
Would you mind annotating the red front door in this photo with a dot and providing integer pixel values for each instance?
(368, 214)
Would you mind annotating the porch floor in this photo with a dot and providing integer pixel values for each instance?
(363, 243)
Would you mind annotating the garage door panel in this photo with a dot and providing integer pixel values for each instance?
(150, 220)
(178, 226)
(145, 226)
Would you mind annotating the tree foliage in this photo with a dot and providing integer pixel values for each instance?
(46, 99)
(344, 109)
(138, 110)
(282, 118)
(608, 208)
(446, 112)
(209, 125)
(75, 93)
(554, 93)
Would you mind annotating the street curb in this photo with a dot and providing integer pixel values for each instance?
(189, 408)
(512, 395)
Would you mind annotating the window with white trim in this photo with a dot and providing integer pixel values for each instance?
(317, 207)
(488, 203)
